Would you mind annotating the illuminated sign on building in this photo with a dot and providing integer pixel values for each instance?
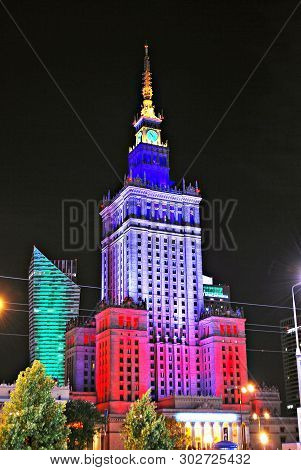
(216, 292)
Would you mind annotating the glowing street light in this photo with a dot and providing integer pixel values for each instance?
(249, 388)
(264, 439)
(256, 417)
(2, 304)
(266, 415)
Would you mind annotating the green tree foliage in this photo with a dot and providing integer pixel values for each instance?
(180, 440)
(83, 418)
(144, 429)
(31, 419)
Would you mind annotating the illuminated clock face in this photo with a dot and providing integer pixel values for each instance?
(139, 137)
(152, 135)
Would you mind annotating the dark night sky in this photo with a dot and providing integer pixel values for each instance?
(201, 54)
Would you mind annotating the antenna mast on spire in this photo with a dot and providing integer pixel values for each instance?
(147, 91)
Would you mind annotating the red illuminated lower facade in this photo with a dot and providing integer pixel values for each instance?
(224, 359)
(128, 360)
(122, 367)
(122, 351)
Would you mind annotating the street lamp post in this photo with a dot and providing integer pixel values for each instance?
(298, 356)
(249, 388)
(263, 437)
(241, 422)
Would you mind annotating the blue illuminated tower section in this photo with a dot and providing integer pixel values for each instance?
(149, 158)
(53, 301)
(151, 250)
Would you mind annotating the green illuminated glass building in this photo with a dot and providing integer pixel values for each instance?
(53, 301)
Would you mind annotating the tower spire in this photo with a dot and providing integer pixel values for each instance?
(147, 90)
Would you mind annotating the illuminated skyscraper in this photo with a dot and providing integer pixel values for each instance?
(154, 328)
(151, 250)
(53, 300)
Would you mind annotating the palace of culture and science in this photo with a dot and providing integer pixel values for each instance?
(161, 325)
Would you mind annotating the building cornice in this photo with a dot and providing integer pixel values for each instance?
(168, 196)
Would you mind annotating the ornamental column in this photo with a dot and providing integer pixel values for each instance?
(230, 437)
(212, 434)
(192, 424)
(221, 437)
(239, 436)
(160, 211)
(143, 207)
(152, 210)
(202, 436)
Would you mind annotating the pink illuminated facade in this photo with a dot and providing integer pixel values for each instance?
(122, 351)
(223, 358)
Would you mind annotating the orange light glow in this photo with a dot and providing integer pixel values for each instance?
(264, 439)
(2, 304)
(76, 425)
(248, 388)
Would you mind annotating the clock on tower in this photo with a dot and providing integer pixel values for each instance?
(149, 159)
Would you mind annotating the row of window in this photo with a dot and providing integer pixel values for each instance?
(129, 397)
